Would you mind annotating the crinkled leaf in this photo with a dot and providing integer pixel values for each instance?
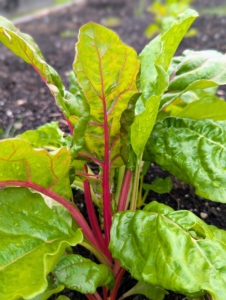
(19, 162)
(33, 238)
(150, 291)
(159, 185)
(106, 69)
(155, 60)
(48, 136)
(24, 46)
(194, 151)
(195, 70)
(175, 250)
(53, 288)
(81, 274)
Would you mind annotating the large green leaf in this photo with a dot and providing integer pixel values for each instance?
(20, 163)
(155, 60)
(33, 238)
(81, 274)
(24, 46)
(195, 70)
(48, 136)
(194, 151)
(106, 69)
(172, 249)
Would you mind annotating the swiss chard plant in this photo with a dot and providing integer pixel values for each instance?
(123, 111)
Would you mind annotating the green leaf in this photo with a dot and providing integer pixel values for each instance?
(159, 185)
(174, 250)
(81, 274)
(208, 107)
(194, 151)
(53, 288)
(195, 70)
(62, 297)
(150, 291)
(24, 46)
(155, 60)
(47, 136)
(20, 163)
(33, 238)
(106, 69)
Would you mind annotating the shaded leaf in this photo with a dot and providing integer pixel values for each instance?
(194, 151)
(155, 60)
(33, 238)
(81, 274)
(174, 250)
(108, 87)
(19, 162)
(159, 185)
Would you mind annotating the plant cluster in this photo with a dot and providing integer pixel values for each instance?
(165, 12)
(123, 111)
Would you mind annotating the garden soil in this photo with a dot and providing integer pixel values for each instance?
(26, 103)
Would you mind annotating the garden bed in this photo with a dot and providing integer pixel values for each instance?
(26, 103)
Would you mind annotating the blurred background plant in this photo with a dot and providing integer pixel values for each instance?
(165, 12)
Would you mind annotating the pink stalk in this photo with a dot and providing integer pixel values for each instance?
(93, 218)
(90, 297)
(118, 280)
(69, 206)
(125, 191)
(105, 295)
(69, 125)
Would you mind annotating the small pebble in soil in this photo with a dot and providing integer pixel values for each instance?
(203, 215)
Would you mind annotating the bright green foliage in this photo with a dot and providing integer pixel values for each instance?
(108, 86)
(192, 71)
(81, 274)
(48, 136)
(194, 151)
(159, 185)
(163, 246)
(155, 60)
(33, 238)
(19, 162)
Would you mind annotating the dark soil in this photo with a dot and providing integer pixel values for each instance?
(26, 103)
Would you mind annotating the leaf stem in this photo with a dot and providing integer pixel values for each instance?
(121, 174)
(118, 280)
(133, 203)
(125, 191)
(93, 218)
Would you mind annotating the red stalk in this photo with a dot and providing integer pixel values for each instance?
(90, 297)
(125, 191)
(69, 206)
(118, 280)
(105, 295)
(93, 218)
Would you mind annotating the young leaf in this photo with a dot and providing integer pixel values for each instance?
(81, 274)
(194, 151)
(22, 165)
(47, 136)
(33, 238)
(175, 250)
(107, 75)
(155, 60)
(195, 70)
(159, 185)
(24, 46)
(150, 291)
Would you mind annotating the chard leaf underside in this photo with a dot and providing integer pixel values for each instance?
(194, 151)
(33, 238)
(107, 76)
(81, 274)
(172, 249)
(155, 60)
(22, 165)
